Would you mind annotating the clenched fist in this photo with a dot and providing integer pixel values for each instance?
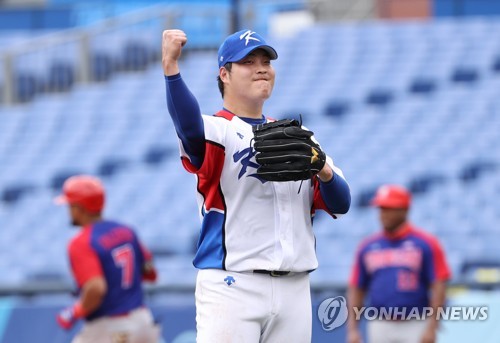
(172, 43)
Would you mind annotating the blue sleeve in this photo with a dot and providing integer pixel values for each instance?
(186, 115)
(336, 194)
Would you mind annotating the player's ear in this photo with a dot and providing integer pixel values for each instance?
(223, 74)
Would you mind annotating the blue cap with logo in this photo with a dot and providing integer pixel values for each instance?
(238, 45)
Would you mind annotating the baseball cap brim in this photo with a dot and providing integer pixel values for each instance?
(245, 52)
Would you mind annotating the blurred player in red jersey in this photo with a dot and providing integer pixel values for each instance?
(109, 264)
(400, 270)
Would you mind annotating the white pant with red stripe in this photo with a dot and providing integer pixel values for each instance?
(136, 327)
(252, 308)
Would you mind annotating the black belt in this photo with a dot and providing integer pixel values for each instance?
(271, 272)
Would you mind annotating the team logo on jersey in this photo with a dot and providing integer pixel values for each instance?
(248, 36)
(229, 280)
(244, 157)
(332, 313)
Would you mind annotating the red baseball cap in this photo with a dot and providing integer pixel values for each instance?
(83, 190)
(392, 196)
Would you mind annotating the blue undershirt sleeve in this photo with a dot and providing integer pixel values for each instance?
(186, 116)
(336, 194)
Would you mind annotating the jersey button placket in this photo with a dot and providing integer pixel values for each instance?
(285, 223)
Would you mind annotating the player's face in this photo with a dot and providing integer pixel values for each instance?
(392, 218)
(252, 77)
(75, 213)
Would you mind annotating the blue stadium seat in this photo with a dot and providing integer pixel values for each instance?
(422, 86)
(102, 67)
(61, 76)
(94, 128)
(136, 56)
(27, 86)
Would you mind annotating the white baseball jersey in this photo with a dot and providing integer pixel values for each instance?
(249, 223)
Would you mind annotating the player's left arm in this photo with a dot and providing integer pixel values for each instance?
(148, 268)
(438, 275)
(437, 299)
(333, 189)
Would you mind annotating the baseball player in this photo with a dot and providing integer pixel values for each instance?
(256, 244)
(402, 269)
(108, 263)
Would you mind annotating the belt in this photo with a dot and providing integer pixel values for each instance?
(271, 272)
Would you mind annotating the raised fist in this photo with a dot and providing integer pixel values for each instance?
(172, 43)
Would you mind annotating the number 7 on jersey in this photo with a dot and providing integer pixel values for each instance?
(123, 257)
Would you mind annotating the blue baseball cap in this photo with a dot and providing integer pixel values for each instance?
(238, 45)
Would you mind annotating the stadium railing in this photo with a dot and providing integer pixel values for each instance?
(56, 61)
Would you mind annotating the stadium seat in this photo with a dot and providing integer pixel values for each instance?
(336, 108)
(27, 86)
(465, 75)
(61, 76)
(157, 154)
(379, 97)
(439, 136)
(422, 184)
(111, 166)
(496, 65)
(474, 170)
(136, 56)
(14, 192)
(58, 180)
(102, 67)
(422, 86)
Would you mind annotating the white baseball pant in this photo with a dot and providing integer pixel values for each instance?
(250, 308)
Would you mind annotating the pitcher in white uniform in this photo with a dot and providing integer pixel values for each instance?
(256, 245)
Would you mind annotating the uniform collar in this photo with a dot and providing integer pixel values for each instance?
(225, 113)
(402, 231)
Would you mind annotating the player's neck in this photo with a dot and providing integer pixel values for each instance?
(243, 109)
(396, 231)
(89, 220)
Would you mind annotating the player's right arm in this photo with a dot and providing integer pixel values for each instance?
(92, 294)
(91, 281)
(173, 41)
(182, 105)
